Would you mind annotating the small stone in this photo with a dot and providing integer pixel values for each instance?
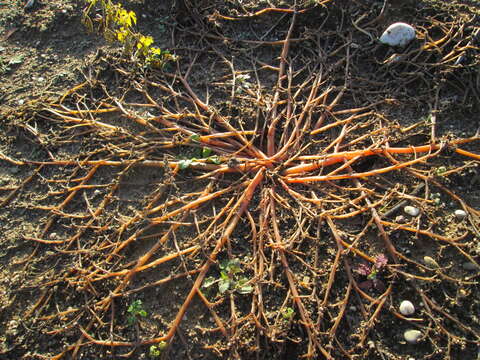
(407, 308)
(21, 102)
(429, 261)
(460, 214)
(53, 236)
(411, 210)
(400, 219)
(470, 266)
(412, 336)
(40, 79)
(398, 34)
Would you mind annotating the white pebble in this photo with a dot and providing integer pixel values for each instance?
(53, 236)
(412, 336)
(398, 34)
(407, 308)
(411, 210)
(460, 214)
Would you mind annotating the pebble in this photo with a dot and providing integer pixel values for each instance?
(53, 236)
(430, 262)
(406, 308)
(400, 219)
(411, 210)
(412, 336)
(460, 214)
(470, 266)
(398, 34)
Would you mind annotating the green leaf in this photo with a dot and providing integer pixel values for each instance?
(206, 152)
(214, 159)
(195, 138)
(247, 289)
(209, 282)
(224, 275)
(223, 264)
(287, 313)
(184, 164)
(142, 313)
(242, 288)
(223, 285)
(154, 351)
(135, 307)
(234, 266)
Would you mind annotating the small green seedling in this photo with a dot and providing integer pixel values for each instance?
(157, 350)
(205, 154)
(287, 313)
(135, 311)
(441, 170)
(229, 278)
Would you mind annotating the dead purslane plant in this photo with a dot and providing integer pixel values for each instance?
(288, 193)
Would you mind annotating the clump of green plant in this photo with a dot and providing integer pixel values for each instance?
(204, 153)
(230, 278)
(157, 350)
(287, 313)
(118, 25)
(135, 311)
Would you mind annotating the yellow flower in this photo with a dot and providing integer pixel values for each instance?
(145, 42)
(122, 34)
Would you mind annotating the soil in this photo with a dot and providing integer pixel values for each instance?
(62, 218)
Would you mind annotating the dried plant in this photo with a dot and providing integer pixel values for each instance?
(306, 182)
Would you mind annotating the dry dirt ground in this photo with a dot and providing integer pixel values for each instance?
(90, 190)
